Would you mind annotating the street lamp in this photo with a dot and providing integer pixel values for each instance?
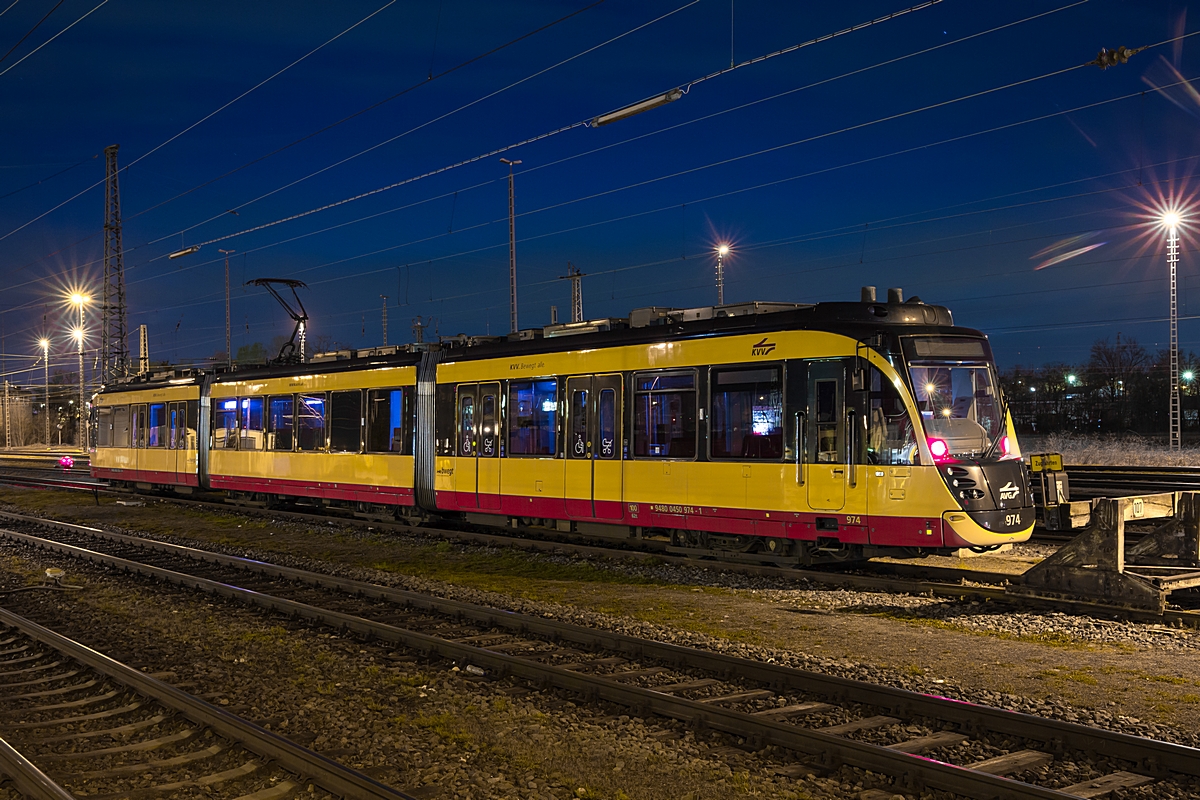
(1071, 380)
(722, 251)
(77, 335)
(80, 299)
(45, 343)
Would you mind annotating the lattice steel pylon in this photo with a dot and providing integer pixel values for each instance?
(114, 345)
(1173, 260)
(576, 278)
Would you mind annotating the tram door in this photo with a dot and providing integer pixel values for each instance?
(487, 460)
(826, 474)
(177, 437)
(594, 476)
(477, 471)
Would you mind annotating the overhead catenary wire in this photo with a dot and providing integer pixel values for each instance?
(723, 194)
(11, 66)
(490, 154)
(317, 132)
(730, 160)
(673, 205)
(29, 33)
(203, 119)
(671, 127)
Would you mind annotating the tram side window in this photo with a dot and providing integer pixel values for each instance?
(664, 415)
(224, 427)
(193, 425)
(890, 438)
(533, 418)
(445, 420)
(280, 418)
(466, 428)
(747, 414)
(104, 423)
(488, 426)
(609, 446)
(139, 425)
(121, 426)
(251, 429)
(345, 422)
(310, 422)
(389, 421)
(156, 432)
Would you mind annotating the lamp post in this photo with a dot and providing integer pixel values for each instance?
(78, 335)
(722, 251)
(79, 299)
(228, 346)
(45, 343)
(1170, 220)
(512, 249)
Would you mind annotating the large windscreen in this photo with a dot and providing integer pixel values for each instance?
(955, 386)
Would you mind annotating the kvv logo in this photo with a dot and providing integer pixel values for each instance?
(762, 348)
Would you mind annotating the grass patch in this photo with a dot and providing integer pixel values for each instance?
(445, 726)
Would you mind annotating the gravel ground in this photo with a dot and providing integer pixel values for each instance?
(430, 729)
(806, 600)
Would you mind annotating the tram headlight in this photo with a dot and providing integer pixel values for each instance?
(938, 449)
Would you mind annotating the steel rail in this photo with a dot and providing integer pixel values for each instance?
(27, 778)
(1165, 755)
(831, 750)
(896, 584)
(324, 771)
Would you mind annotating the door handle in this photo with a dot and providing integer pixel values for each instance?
(838, 471)
(852, 445)
(801, 444)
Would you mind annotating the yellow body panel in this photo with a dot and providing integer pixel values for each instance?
(164, 394)
(659, 482)
(533, 477)
(351, 469)
(156, 459)
(665, 355)
(974, 533)
(377, 378)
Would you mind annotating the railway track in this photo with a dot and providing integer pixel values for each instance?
(78, 723)
(910, 578)
(822, 721)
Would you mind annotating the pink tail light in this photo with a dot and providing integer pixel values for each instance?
(939, 449)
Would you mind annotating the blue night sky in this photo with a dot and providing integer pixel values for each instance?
(793, 160)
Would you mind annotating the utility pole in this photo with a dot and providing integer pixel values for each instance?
(576, 278)
(512, 249)
(114, 348)
(228, 344)
(7, 418)
(384, 296)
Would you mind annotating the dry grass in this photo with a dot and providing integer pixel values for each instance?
(1123, 451)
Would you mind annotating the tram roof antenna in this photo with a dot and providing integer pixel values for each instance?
(287, 353)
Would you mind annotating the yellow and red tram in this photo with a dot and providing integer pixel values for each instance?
(823, 432)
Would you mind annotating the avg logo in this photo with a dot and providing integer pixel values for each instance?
(762, 348)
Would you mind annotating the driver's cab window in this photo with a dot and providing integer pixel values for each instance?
(890, 435)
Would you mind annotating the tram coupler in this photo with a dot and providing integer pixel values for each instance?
(1097, 566)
